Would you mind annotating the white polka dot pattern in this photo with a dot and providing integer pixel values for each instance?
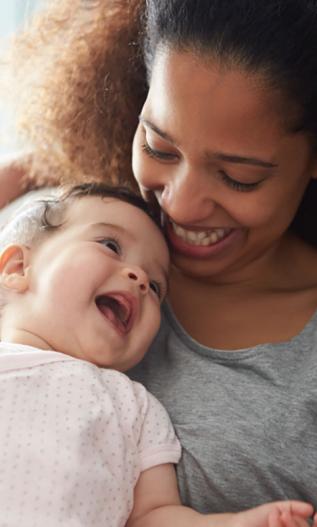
(73, 440)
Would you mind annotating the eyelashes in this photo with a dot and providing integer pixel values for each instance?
(229, 181)
(237, 185)
(113, 244)
(156, 288)
(157, 154)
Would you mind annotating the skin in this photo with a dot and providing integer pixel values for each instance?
(105, 246)
(11, 183)
(185, 151)
(241, 119)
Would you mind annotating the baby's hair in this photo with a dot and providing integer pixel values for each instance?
(46, 215)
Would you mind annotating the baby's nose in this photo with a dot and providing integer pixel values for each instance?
(138, 276)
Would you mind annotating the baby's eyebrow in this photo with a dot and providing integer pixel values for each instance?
(103, 224)
(115, 226)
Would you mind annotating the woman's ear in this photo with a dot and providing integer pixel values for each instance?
(314, 172)
(14, 268)
(313, 168)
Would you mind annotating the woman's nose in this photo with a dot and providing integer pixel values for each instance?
(138, 276)
(186, 199)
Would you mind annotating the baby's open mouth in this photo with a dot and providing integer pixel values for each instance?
(118, 308)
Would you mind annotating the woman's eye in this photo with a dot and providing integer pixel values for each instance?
(238, 185)
(111, 244)
(155, 286)
(157, 154)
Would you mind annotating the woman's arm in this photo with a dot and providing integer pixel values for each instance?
(12, 180)
(157, 504)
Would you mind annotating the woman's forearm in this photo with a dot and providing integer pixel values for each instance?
(11, 182)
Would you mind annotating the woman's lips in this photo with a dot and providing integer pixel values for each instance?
(200, 244)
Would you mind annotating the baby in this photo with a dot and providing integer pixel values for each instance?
(82, 277)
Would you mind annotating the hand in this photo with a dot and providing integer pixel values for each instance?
(276, 514)
(287, 518)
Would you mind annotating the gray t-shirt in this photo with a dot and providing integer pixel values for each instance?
(246, 419)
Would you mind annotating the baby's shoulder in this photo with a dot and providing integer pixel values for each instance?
(123, 389)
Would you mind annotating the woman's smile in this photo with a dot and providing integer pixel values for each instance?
(200, 237)
(202, 244)
(223, 211)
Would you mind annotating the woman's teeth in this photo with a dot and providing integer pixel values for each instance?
(202, 238)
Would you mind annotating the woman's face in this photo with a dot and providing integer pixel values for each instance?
(213, 146)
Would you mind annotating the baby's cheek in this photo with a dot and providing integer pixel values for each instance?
(155, 321)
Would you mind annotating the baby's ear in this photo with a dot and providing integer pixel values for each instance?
(14, 267)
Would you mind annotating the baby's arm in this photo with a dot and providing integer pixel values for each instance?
(157, 504)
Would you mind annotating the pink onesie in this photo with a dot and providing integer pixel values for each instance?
(74, 439)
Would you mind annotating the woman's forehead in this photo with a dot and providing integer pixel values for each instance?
(198, 75)
(201, 105)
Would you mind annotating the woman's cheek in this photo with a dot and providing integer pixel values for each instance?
(137, 164)
(250, 210)
(142, 166)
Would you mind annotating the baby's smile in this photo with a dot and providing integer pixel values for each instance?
(120, 309)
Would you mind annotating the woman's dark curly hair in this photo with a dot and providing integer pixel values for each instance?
(80, 81)
(77, 81)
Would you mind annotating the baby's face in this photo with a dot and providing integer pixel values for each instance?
(96, 285)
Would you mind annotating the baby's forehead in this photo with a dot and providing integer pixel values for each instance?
(104, 216)
(108, 210)
(99, 205)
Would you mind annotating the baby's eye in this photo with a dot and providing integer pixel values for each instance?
(111, 244)
(155, 286)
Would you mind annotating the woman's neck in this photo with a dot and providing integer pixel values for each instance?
(270, 300)
(285, 266)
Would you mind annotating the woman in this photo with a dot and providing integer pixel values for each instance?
(226, 142)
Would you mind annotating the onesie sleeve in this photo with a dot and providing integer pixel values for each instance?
(157, 442)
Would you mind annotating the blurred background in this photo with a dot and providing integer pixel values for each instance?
(13, 16)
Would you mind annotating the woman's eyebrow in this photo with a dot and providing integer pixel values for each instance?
(243, 160)
(220, 156)
(157, 130)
